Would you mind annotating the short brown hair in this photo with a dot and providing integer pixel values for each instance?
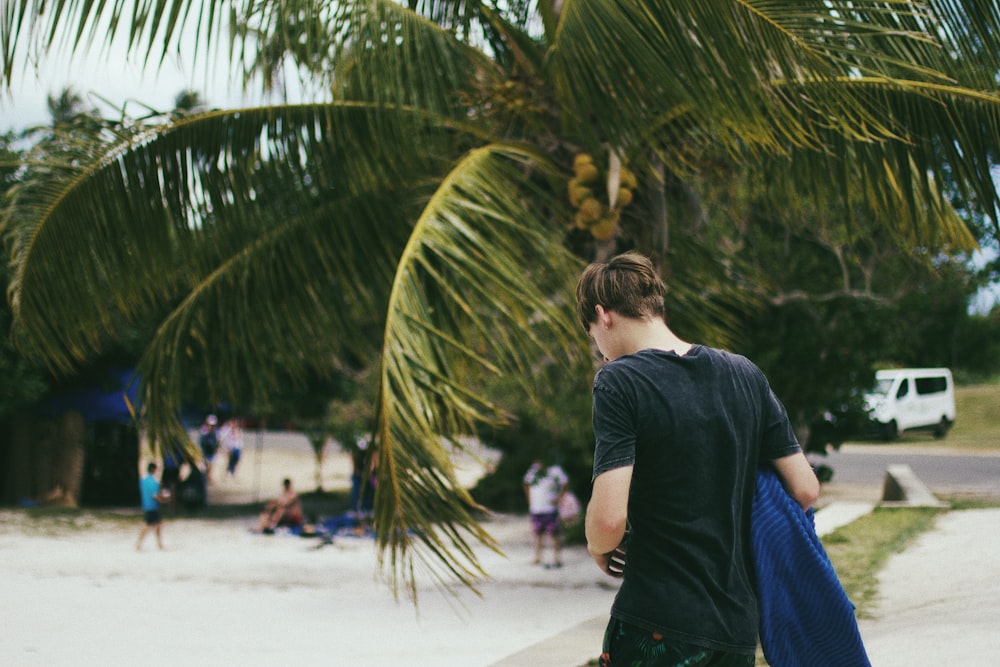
(627, 284)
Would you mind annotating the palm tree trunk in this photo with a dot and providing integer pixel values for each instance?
(41, 443)
(603, 250)
(318, 443)
(67, 464)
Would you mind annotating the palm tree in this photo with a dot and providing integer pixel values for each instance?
(418, 220)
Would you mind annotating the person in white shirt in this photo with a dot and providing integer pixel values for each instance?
(544, 487)
(231, 439)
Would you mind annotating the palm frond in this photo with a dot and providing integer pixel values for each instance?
(283, 249)
(177, 213)
(759, 78)
(633, 60)
(902, 178)
(391, 55)
(477, 286)
(152, 30)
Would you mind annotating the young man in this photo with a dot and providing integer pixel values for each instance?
(680, 432)
(151, 497)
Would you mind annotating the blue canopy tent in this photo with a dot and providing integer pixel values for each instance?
(112, 400)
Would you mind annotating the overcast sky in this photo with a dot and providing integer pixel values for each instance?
(115, 79)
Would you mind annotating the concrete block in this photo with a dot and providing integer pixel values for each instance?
(902, 488)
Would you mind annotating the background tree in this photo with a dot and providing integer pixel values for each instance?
(26, 380)
(431, 190)
(835, 292)
(323, 408)
(43, 451)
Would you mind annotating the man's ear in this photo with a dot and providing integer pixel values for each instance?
(603, 316)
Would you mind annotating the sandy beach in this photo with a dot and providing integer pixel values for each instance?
(76, 592)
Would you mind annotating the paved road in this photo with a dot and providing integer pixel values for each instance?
(941, 469)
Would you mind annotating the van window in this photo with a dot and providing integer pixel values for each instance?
(882, 387)
(934, 385)
(904, 388)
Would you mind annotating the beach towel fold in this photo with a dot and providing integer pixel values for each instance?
(806, 619)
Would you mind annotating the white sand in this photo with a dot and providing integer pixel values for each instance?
(221, 595)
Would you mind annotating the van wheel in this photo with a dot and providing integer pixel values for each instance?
(890, 431)
(941, 429)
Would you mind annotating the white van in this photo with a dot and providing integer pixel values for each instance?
(907, 399)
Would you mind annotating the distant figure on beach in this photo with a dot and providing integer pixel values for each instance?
(193, 488)
(285, 510)
(170, 478)
(231, 441)
(208, 441)
(544, 486)
(151, 497)
(363, 463)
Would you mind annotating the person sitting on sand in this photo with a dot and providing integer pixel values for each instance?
(285, 510)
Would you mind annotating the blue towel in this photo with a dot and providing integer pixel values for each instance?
(806, 619)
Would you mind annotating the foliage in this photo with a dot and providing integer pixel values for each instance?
(835, 295)
(555, 427)
(977, 346)
(975, 422)
(931, 326)
(416, 221)
(25, 381)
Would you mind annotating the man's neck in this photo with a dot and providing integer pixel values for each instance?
(651, 334)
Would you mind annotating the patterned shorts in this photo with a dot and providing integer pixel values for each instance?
(547, 522)
(628, 646)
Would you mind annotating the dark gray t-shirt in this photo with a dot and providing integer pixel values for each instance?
(695, 427)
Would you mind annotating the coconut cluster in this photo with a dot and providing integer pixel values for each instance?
(592, 213)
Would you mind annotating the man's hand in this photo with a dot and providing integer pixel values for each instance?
(613, 562)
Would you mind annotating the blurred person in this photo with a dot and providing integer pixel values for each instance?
(208, 441)
(193, 487)
(231, 441)
(285, 510)
(171, 476)
(544, 487)
(151, 497)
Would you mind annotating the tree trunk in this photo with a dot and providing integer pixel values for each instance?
(318, 443)
(67, 464)
(44, 460)
(41, 444)
(19, 478)
(603, 250)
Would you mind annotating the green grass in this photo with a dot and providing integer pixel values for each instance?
(861, 549)
(977, 422)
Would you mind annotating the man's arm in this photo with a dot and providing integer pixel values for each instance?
(798, 478)
(607, 514)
